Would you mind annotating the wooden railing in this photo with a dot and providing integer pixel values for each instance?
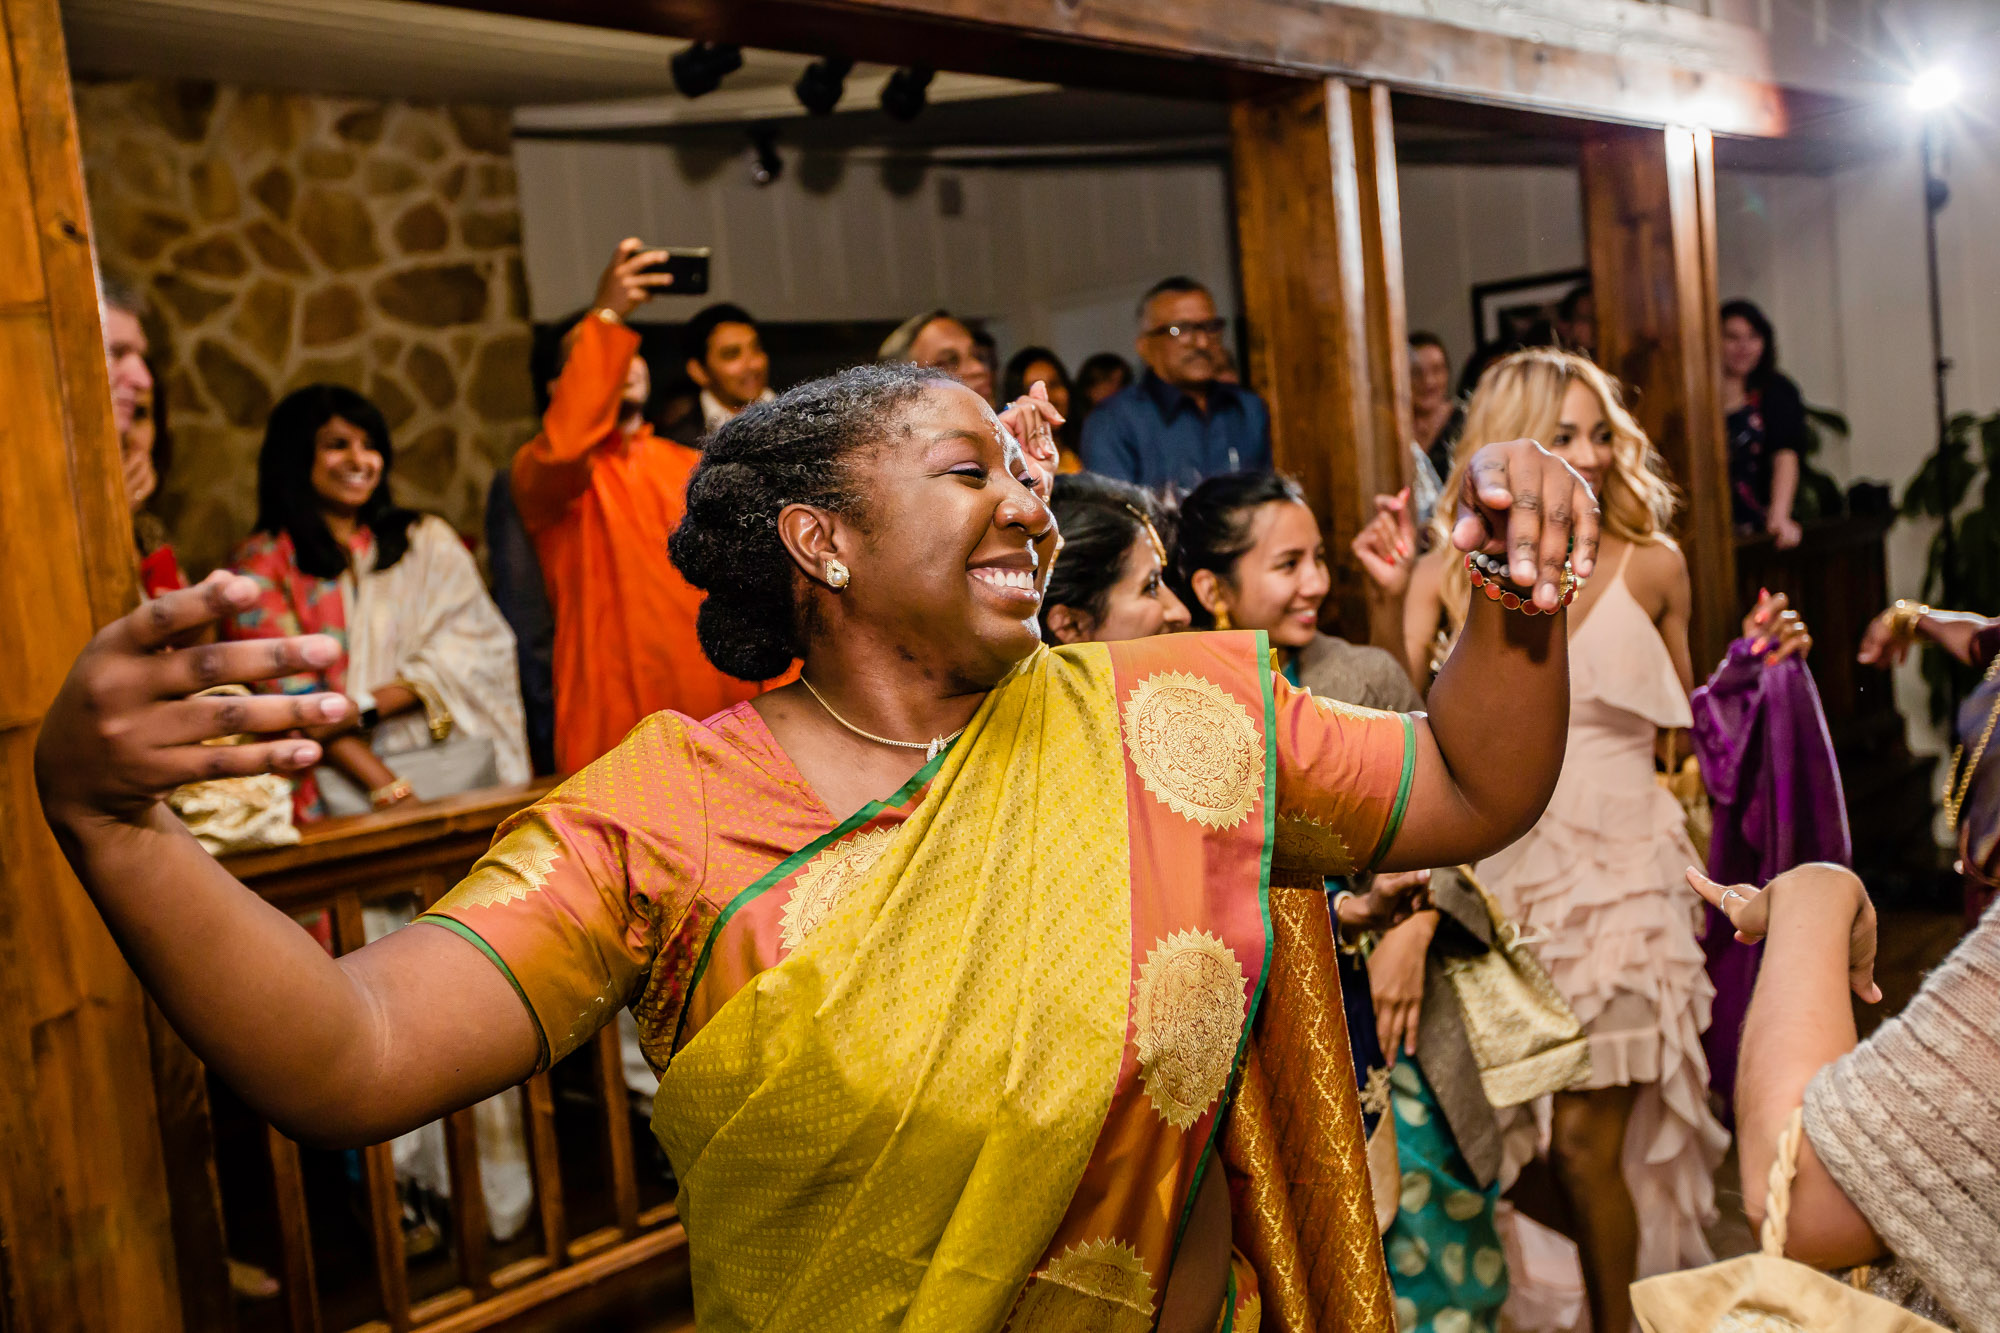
(412, 856)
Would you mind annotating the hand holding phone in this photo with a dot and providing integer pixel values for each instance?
(636, 275)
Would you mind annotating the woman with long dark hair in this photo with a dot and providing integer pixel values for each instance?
(1038, 365)
(949, 953)
(426, 656)
(1765, 418)
(1111, 583)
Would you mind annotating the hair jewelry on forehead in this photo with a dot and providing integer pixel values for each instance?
(1152, 533)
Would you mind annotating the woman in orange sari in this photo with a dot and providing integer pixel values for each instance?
(942, 1045)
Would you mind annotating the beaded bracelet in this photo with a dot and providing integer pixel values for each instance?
(1490, 573)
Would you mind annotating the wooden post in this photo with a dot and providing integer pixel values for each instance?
(1649, 207)
(1320, 233)
(85, 1238)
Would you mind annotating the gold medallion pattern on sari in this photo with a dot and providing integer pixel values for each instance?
(826, 881)
(1101, 1286)
(1188, 1014)
(518, 866)
(1195, 748)
(1304, 844)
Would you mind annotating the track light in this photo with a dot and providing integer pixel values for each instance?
(701, 68)
(903, 94)
(765, 164)
(820, 86)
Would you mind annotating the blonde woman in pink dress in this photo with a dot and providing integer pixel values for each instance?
(1595, 885)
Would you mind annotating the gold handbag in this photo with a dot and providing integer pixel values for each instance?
(1766, 1292)
(1523, 1034)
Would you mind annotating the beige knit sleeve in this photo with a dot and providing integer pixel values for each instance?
(1908, 1123)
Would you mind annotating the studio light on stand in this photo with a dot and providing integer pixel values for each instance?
(701, 68)
(904, 94)
(1932, 94)
(820, 87)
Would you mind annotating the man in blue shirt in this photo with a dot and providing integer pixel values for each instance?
(1178, 423)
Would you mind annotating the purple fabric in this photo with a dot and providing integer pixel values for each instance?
(1774, 786)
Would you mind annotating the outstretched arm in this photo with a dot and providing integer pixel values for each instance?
(1489, 753)
(337, 1051)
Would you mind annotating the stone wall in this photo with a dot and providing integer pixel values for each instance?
(285, 239)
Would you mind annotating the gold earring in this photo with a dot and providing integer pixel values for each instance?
(1222, 620)
(837, 576)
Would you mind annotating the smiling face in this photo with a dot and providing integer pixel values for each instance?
(125, 358)
(1430, 378)
(1140, 604)
(1279, 583)
(942, 555)
(1583, 437)
(736, 369)
(1742, 347)
(346, 468)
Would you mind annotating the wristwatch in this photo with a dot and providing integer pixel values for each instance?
(370, 716)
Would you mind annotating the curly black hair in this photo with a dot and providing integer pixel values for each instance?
(1214, 529)
(790, 450)
(1100, 519)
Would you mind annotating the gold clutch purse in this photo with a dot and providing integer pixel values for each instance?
(1766, 1292)
(1522, 1032)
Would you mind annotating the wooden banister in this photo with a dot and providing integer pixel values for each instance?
(344, 868)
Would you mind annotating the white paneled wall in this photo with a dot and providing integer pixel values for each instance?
(1466, 225)
(1045, 254)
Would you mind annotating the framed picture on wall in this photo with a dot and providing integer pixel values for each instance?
(1519, 311)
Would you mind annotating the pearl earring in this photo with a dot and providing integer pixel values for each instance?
(837, 576)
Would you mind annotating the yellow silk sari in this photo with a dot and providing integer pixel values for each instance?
(961, 1061)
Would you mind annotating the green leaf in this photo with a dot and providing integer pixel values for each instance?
(1829, 419)
(1920, 499)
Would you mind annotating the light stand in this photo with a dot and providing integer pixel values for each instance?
(1936, 195)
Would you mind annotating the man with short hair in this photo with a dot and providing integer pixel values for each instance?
(1179, 422)
(940, 340)
(727, 362)
(600, 493)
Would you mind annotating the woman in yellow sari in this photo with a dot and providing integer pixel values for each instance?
(954, 1057)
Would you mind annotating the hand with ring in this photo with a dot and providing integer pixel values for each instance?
(1749, 911)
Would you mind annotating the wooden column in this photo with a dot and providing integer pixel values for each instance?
(1319, 230)
(1649, 208)
(85, 1241)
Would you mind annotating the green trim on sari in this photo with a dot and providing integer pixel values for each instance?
(779, 872)
(467, 933)
(1264, 911)
(1395, 824)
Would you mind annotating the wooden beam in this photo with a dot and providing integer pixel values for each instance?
(1706, 69)
(1318, 236)
(83, 1190)
(1649, 209)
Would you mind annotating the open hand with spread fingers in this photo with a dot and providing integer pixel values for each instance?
(124, 730)
(1524, 504)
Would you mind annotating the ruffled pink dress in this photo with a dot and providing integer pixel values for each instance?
(1597, 889)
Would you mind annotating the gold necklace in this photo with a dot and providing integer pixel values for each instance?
(930, 747)
(1958, 783)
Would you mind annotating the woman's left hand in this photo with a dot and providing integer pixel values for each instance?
(1776, 630)
(1396, 984)
(1522, 501)
(1032, 420)
(1749, 911)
